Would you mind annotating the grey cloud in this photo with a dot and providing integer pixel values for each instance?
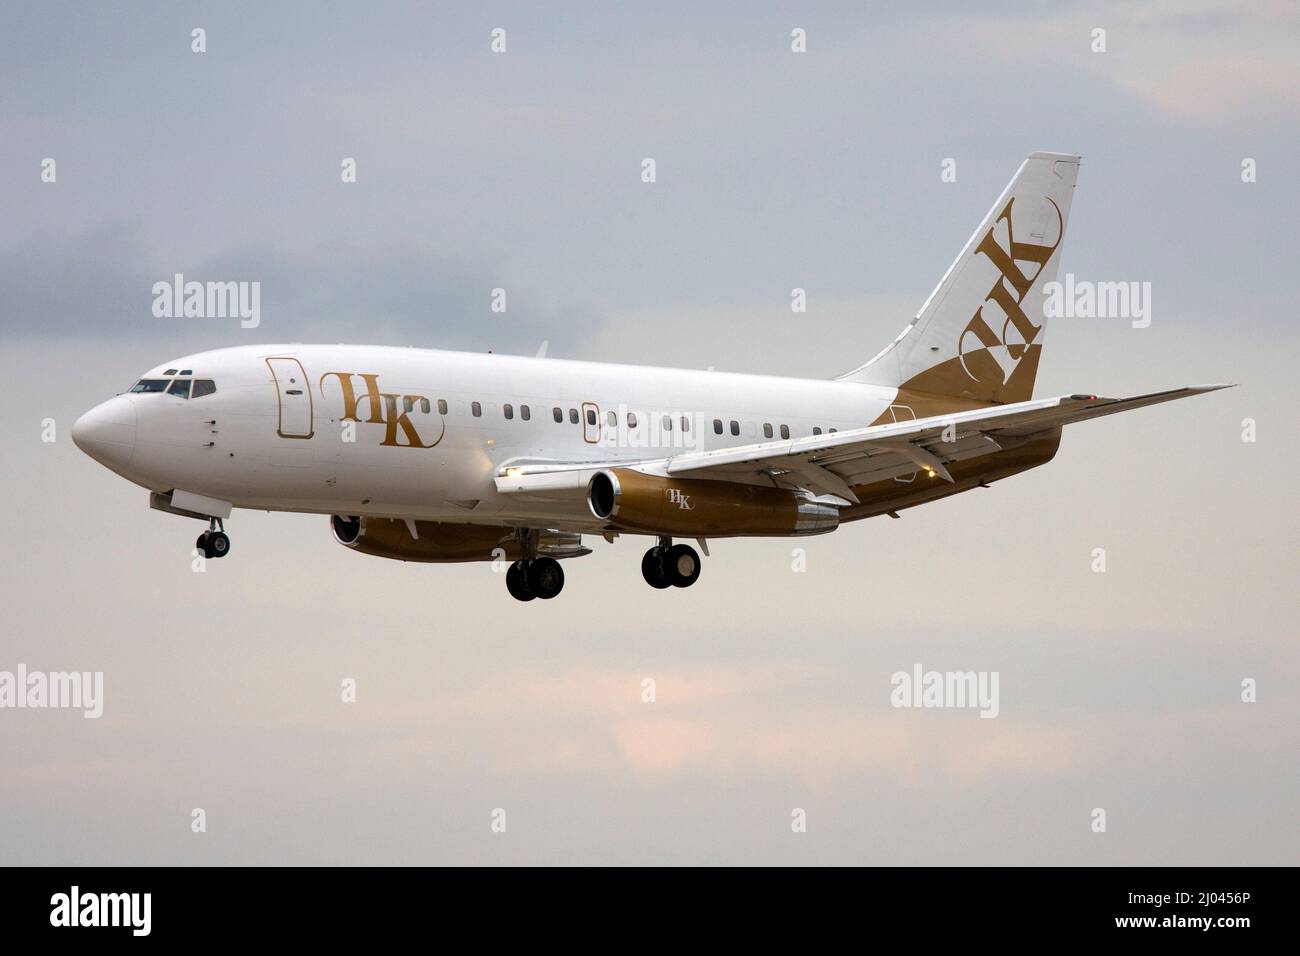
(99, 285)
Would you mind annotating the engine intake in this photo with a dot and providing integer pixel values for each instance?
(631, 500)
(346, 530)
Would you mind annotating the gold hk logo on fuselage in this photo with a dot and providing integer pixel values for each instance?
(683, 502)
(384, 409)
(988, 356)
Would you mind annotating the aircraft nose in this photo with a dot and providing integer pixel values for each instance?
(107, 432)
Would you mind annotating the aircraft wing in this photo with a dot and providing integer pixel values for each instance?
(832, 463)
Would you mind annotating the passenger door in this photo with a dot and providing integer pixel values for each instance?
(293, 393)
(590, 423)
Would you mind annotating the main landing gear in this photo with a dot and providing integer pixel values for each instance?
(214, 543)
(670, 565)
(666, 565)
(539, 578)
(534, 577)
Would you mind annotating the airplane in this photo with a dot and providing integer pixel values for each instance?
(440, 456)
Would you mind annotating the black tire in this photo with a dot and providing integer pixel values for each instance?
(681, 566)
(202, 544)
(517, 583)
(652, 569)
(218, 545)
(545, 578)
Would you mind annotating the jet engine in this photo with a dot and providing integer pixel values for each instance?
(629, 500)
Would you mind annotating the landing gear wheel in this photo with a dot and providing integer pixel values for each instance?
(545, 577)
(517, 583)
(213, 543)
(217, 545)
(681, 565)
(652, 569)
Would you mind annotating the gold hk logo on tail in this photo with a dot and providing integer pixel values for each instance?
(989, 356)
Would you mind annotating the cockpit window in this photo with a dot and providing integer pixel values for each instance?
(186, 371)
(203, 386)
(180, 388)
(150, 385)
(170, 371)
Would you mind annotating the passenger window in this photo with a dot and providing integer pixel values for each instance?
(785, 431)
(476, 409)
(591, 416)
(203, 386)
(573, 416)
(180, 388)
(150, 385)
(686, 424)
(717, 426)
(509, 411)
(557, 414)
(524, 413)
(442, 406)
(735, 427)
(767, 429)
(668, 423)
(408, 403)
(631, 419)
(424, 405)
(612, 419)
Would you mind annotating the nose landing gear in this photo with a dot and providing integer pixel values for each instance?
(214, 543)
(670, 565)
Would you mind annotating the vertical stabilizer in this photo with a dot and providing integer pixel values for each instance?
(980, 333)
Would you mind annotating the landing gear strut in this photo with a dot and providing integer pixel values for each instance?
(531, 576)
(670, 565)
(214, 543)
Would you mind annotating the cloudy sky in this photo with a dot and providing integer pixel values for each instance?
(821, 170)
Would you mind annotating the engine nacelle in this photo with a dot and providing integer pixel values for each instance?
(436, 541)
(631, 500)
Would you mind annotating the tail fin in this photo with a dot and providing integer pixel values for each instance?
(980, 333)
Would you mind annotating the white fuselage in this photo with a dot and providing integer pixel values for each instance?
(276, 433)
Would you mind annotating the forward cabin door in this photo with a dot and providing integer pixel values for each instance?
(294, 395)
